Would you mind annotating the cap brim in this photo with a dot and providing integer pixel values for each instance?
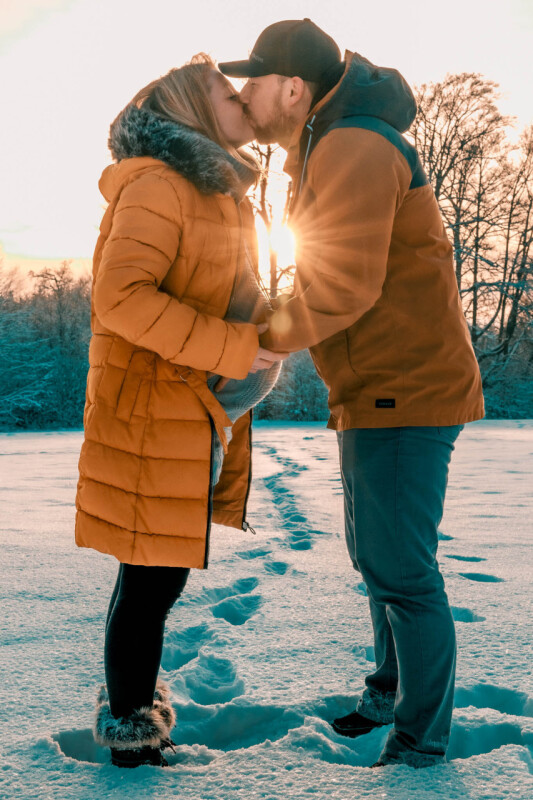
(241, 69)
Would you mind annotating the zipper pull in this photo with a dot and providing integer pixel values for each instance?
(247, 527)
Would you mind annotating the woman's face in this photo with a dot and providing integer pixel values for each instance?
(229, 110)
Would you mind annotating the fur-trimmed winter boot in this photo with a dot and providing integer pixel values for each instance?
(140, 737)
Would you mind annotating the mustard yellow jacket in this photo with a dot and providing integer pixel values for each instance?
(164, 268)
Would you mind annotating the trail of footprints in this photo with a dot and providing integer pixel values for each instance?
(299, 533)
(213, 709)
(480, 577)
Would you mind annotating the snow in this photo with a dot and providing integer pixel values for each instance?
(272, 642)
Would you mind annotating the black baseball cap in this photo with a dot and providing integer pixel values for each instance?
(293, 47)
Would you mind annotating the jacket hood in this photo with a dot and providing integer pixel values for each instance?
(137, 133)
(372, 91)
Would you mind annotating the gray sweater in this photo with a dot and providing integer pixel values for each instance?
(237, 397)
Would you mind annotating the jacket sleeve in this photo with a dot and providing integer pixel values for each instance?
(141, 246)
(358, 180)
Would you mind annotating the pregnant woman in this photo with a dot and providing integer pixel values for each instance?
(176, 309)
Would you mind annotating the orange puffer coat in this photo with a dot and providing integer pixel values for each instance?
(164, 268)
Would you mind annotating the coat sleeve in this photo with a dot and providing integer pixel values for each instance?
(358, 179)
(141, 246)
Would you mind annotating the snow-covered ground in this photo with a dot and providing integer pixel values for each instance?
(272, 642)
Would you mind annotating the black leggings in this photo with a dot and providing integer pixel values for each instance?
(140, 603)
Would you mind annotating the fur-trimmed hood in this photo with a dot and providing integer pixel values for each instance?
(137, 132)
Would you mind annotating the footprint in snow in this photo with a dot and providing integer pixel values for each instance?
(465, 615)
(207, 596)
(212, 680)
(500, 698)
(443, 537)
(292, 468)
(237, 610)
(235, 725)
(183, 646)
(481, 577)
(364, 652)
(249, 554)
(281, 493)
(276, 567)
(80, 745)
(300, 541)
(468, 738)
(466, 558)
(295, 471)
(295, 522)
(474, 737)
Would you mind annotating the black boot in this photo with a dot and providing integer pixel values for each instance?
(140, 737)
(141, 756)
(354, 725)
(138, 757)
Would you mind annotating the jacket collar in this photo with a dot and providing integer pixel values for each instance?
(363, 89)
(291, 166)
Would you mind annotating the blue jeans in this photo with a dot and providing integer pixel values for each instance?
(394, 482)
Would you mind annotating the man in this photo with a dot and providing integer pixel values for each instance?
(376, 302)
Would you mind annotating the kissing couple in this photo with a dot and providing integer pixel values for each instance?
(184, 344)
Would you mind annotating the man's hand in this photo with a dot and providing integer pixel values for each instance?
(264, 359)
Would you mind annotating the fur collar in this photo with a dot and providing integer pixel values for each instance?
(136, 132)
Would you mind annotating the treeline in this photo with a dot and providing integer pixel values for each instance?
(484, 185)
(44, 337)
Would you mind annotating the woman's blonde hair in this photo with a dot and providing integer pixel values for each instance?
(182, 95)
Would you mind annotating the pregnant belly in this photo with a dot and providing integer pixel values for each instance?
(238, 397)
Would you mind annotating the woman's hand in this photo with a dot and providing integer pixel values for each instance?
(264, 359)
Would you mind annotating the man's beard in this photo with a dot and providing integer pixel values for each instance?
(278, 126)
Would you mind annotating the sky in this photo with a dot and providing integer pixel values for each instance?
(68, 66)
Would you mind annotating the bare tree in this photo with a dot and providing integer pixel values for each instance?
(484, 188)
(263, 207)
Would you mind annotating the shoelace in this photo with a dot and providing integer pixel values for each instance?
(168, 743)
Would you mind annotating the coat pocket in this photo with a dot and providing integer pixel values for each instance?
(139, 369)
(119, 386)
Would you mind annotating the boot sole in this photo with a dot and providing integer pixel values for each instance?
(353, 733)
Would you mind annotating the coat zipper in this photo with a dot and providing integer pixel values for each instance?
(213, 432)
(309, 127)
(210, 493)
(246, 525)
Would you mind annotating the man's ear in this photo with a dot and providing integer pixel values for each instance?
(295, 90)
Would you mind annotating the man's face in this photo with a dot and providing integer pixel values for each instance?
(263, 100)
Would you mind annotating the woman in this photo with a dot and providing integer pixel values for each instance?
(173, 269)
